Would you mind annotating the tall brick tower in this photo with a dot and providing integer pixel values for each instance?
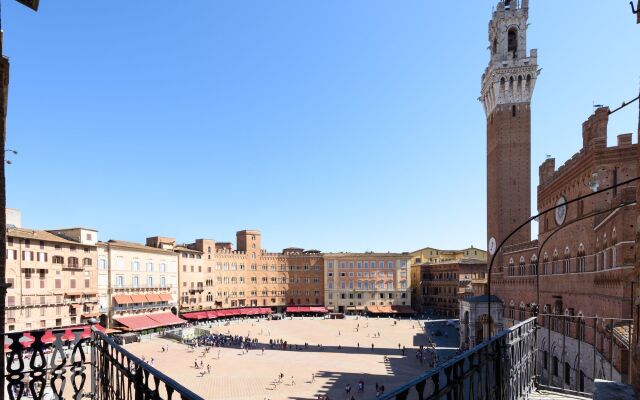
(507, 87)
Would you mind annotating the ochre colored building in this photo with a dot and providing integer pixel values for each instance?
(214, 276)
(52, 278)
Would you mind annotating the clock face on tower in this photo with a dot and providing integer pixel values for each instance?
(492, 246)
(561, 211)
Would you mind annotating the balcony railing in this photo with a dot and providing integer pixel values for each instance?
(500, 368)
(94, 367)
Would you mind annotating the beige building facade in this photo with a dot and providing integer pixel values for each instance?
(136, 281)
(356, 282)
(52, 278)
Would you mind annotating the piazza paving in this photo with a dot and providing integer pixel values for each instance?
(338, 362)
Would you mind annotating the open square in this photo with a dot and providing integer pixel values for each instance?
(344, 358)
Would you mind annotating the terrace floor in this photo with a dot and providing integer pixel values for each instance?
(254, 375)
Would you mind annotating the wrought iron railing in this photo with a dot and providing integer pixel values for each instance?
(77, 363)
(502, 367)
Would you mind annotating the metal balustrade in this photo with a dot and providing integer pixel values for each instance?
(502, 367)
(80, 364)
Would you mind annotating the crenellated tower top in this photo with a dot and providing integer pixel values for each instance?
(511, 75)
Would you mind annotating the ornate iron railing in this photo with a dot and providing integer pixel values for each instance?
(500, 368)
(79, 363)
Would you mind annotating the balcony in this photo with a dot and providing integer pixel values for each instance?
(502, 367)
(130, 288)
(97, 368)
(75, 267)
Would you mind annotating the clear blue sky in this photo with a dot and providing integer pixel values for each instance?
(330, 124)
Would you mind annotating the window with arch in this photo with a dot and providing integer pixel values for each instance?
(545, 263)
(605, 250)
(533, 266)
(597, 255)
(581, 258)
(511, 267)
(522, 312)
(512, 41)
(580, 327)
(554, 263)
(521, 266)
(567, 260)
(512, 310)
(613, 248)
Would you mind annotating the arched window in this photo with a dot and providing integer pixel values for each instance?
(605, 250)
(613, 248)
(521, 266)
(567, 260)
(554, 262)
(597, 254)
(522, 312)
(581, 260)
(511, 267)
(580, 327)
(512, 41)
(512, 310)
(545, 263)
(534, 265)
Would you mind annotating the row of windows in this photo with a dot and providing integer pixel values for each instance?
(366, 274)
(363, 264)
(602, 260)
(373, 295)
(368, 285)
(41, 244)
(135, 281)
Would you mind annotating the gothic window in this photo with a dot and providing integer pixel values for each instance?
(534, 265)
(512, 41)
(613, 248)
(545, 263)
(567, 260)
(581, 259)
(554, 262)
(511, 267)
(521, 267)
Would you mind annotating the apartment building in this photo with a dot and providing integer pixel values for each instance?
(52, 278)
(141, 284)
(215, 276)
(360, 282)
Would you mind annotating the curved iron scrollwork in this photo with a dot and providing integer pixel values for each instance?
(75, 363)
(39, 365)
(500, 368)
(122, 376)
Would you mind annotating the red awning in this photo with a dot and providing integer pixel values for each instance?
(166, 297)
(166, 318)
(265, 310)
(122, 299)
(137, 322)
(195, 315)
(212, 314)
(153, 298)
(138, 298)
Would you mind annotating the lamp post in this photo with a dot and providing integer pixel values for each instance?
(4, 81)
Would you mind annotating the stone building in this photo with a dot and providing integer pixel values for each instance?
(52, 278)
(439, 286)
(584, 252)
(138, 285)
(359, 282)
(215, 276)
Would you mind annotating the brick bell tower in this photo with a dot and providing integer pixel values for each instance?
(507, 87)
